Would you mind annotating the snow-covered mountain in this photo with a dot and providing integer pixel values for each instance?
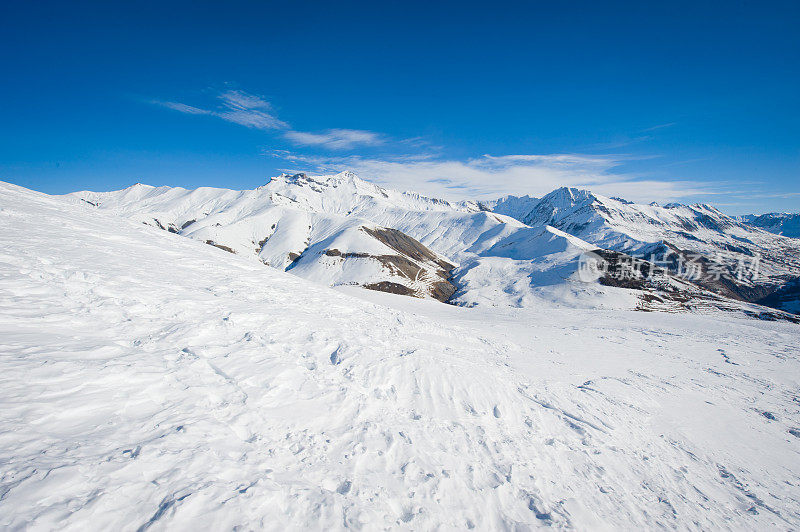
(342, 230)
(153, 382)
(300, 224)
(780, 223)
(698, 233)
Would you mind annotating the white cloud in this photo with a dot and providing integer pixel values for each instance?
(490, 176)
(236, 99)
(484, 177)
(248, 110)
(782, 195)
(336, 139)
(253, 111)
(659, 126)
(183, 108)
(237, 107)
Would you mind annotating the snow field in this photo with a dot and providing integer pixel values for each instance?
(150, 381)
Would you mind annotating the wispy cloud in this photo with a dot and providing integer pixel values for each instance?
(659, 126)
(484, 177)
(622, 141)
(781, 195)
(336, 139)
(235, 106)
(183, 108)
(491, 176)
(255, 112)
(248, 110)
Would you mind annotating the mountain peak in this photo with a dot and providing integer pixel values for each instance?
(568, 196)
(331, 180)
(347, 175)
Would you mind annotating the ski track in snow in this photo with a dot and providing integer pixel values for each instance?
(152, 382)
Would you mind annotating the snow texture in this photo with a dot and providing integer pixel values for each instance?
(152, 382)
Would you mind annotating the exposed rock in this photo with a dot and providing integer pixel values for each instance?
(402, 243)
(663, 291)
(220, 246)
(399, 265)
(390, 287)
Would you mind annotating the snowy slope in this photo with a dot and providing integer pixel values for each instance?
(444, 227)
(289, 232)
(566, 271)
(151, 382)
(780, 223)
(549, 274)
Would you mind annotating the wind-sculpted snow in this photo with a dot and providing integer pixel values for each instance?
(151, 382)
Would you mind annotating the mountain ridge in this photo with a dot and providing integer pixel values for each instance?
(780, 223)
(318, 227)
(684, 231)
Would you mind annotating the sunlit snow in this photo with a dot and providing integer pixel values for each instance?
(150, 381)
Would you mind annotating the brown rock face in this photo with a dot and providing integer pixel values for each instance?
(412, 261)
(390, 287)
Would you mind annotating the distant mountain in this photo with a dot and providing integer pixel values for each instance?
(342, 230)
(780, 223)
(673, 234)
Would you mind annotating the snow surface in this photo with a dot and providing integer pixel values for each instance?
(152, 382)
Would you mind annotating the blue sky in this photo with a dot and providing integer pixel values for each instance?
(685, 101)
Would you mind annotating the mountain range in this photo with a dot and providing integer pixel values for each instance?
(516, 251)
(780, 223)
